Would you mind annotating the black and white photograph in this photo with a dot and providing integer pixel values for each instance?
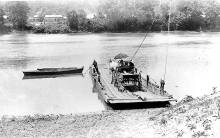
(110, 68)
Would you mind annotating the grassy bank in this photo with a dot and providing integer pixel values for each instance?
(198, 117)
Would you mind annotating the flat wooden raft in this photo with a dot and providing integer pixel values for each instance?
(111, 94)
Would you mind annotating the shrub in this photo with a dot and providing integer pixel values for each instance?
(5, 29)
(39, 29)
(29, 27)
(52, 29)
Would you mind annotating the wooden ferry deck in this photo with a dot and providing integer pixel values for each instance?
(112, 95)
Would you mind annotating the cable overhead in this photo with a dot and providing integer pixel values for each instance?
(142, 41)
(165, 67)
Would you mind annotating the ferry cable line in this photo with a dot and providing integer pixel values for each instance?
(166, 58)
(167, 47)
(142, 40)
(144, 37)
(142, 44)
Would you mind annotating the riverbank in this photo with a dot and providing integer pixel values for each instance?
(57, 31)
(190, 117)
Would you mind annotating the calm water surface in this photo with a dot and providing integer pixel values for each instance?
(193, 67)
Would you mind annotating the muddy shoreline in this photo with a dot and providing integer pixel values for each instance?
(191, 117)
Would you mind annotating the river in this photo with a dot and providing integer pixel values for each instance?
(192, 67)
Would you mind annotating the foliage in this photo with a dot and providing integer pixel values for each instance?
(18, 13)
(56, 28)
(122, 15)
(2, 13)
(51, 29)
(190, 17)
(39, 29)
(129, 15)
(81, 17)
(4, 29)
(29, 27)
(211, 12)
(72, 19)
(97, 27)
(97, 24)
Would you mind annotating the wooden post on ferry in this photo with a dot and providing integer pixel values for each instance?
(148, 79)
(162, 83)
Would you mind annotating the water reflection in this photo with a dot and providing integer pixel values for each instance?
(100, 98)
(51, 76)
(14, 55)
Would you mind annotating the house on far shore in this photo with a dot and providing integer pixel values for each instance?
(55, 19)
(35, 20)
(47, 19)
(6, 20)
(90, 15)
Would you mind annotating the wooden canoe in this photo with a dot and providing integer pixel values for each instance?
(53, 71)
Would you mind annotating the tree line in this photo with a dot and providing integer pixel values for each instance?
(142, 15)
(125, 16)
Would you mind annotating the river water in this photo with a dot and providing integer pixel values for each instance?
(193, 67)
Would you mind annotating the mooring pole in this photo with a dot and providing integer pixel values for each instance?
(148, 79)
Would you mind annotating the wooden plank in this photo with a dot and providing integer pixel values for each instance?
(113, 90)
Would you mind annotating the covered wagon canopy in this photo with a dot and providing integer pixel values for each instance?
(121, 56)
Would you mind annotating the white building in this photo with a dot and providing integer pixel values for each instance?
(54, 19)
(6, 20)
(35, 20)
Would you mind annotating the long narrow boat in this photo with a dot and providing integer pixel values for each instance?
(53, 71)
(126, 92)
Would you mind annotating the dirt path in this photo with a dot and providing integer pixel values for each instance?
(189, 118)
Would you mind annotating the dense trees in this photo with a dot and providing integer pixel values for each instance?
(211, 12)
(51, 29)
(152, 15)
(81, 16)
(2, 13)
(121, 15)
(72, 20)
(3, 28)
(189, 15)
(18, 14)
(141, 15)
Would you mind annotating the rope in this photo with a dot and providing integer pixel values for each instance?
(142, 40)
(165, 68)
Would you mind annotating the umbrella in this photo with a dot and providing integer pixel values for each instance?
(120, 56)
